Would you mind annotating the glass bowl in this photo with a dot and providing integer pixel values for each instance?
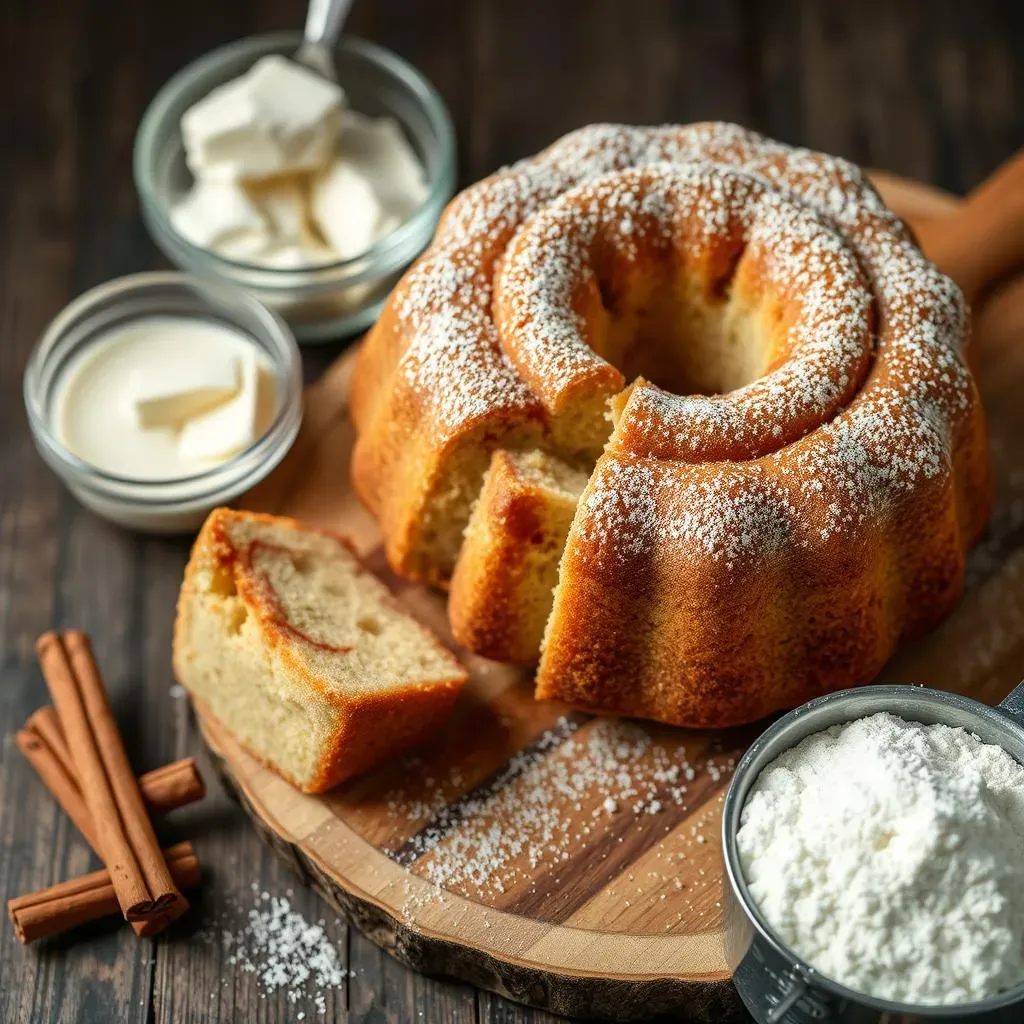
(169, 505)
(324, 302)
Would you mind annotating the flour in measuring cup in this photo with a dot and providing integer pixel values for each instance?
(890, 856)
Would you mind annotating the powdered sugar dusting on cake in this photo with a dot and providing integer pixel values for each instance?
(686, 212)
(648, 504)
(447, 296)
(839, 439)
(454, 360)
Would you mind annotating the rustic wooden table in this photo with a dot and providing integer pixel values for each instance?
(931, 93)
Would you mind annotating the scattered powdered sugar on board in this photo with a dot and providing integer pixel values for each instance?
(284, 951)
(569, 790)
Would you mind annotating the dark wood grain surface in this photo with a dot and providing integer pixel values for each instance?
(934, 91)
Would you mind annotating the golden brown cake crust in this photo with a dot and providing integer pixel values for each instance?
(370, 726)
(799, 496)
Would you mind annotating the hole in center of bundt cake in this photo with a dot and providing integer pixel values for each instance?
(692, 336)
(708, 284)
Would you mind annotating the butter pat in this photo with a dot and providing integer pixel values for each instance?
(378, 149)
(218, 215)
(301, 256)
(278, 118)
(264, 223)
(284, 203)
(374, 185)
(166, 400)
(346, 209)
(235, 425)
(248, 248)
(286, 177)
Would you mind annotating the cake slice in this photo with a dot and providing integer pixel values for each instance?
(502, 589)
(302, 654)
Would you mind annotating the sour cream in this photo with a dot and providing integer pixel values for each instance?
(164, 397)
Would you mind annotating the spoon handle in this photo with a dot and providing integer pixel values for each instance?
(324, 20)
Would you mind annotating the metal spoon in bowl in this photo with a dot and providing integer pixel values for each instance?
(324, 21)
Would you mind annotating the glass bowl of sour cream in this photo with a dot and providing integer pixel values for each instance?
(340, 291)
(157, 397)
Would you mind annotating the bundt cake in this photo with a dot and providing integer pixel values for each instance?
(763, 380)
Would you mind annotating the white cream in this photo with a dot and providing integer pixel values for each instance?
(286, 178)
(98, 398)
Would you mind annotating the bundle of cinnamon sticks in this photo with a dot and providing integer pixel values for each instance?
(76, 749)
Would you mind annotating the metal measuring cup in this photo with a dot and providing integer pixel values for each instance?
(776, 986)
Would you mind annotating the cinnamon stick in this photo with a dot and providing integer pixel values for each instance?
(164, 789)
(69, 904)
(59, 782)
(47, 725)
(64, 789)
(174, 785)
(140, 877)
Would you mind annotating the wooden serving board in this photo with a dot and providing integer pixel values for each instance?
(568, 862)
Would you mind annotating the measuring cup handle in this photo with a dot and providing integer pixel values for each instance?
(797, 987)
(1014, 703)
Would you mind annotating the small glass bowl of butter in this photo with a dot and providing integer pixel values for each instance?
(157, 397)
(236, 164)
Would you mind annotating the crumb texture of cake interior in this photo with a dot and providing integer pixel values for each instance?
(504, 580)
(304, 655)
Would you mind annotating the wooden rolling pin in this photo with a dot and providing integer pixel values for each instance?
(982, 242)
